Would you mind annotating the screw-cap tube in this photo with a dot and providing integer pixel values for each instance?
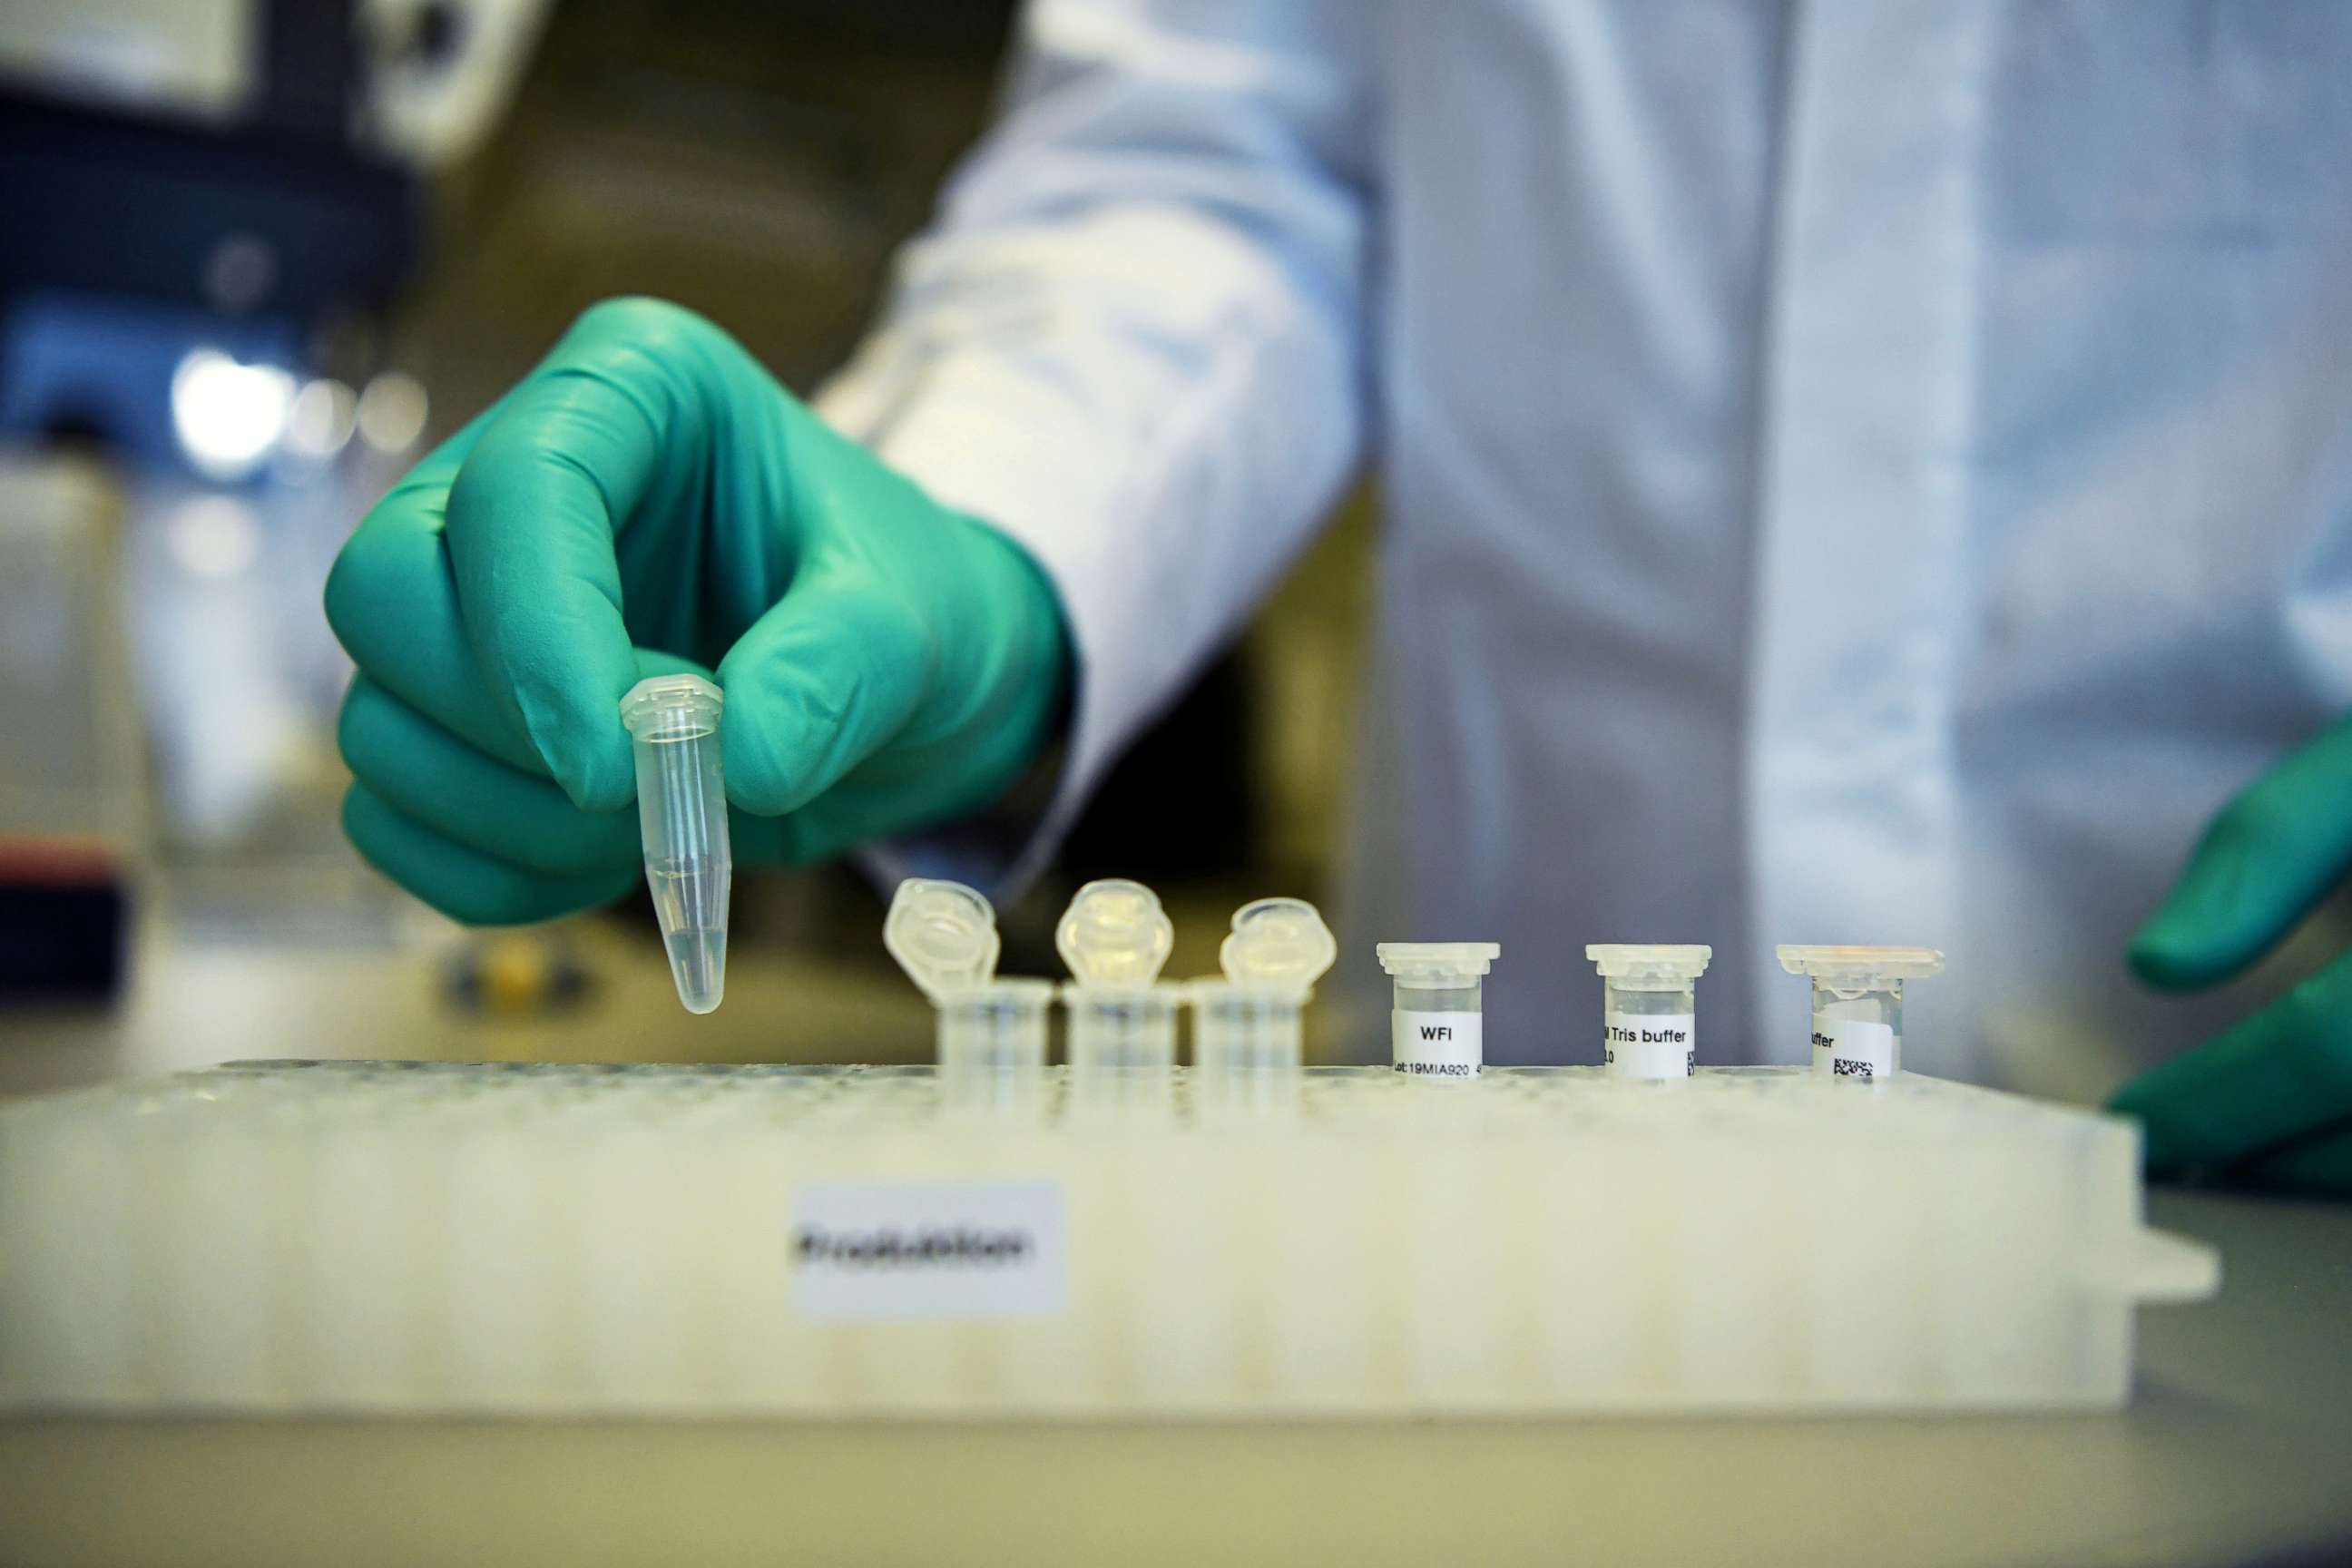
(1437, 1028)
(682, 816)
(1649, 1011)
(1858, 1005)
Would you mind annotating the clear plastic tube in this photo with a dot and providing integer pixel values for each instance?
(991, 1043)
(1241, 1029)
(682, 814)
(1246, 1044)
(1857, 1031)
(1122, 1044)
(1437, 1028)
(1121, 1028)
(1649, 1010)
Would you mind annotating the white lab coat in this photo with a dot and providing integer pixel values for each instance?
(1852, 472)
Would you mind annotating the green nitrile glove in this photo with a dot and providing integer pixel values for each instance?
(2269, 1099)
(649, 500)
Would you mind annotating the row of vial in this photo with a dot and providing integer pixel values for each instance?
(1115, 938)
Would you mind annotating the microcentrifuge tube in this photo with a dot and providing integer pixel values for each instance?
(1247, 1027)
(992, 1032)
(682, 814)
(1858, 1003)
(1437, 1028)
(1115, 937)
(1649, 1012)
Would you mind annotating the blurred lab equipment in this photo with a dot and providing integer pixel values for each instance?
(73, 810)
(211, 205)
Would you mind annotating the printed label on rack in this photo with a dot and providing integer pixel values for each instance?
(907, 1251)
(1850, 1048)
(1437, 1045)
(1649, 1044)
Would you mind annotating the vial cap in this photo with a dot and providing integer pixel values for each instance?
(1435, 963)
(1114, 933)
(943, 934)
(1860, 964)
(1649, 961)
(669, 699)
(1277, 944)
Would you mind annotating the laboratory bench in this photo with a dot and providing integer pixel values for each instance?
(2237, 1447)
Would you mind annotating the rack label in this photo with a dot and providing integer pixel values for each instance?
(1649, 1044)
(907, 1251)
(1851, 1047)
(1437, 1045)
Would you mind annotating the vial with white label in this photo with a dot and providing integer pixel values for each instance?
(1437, 1028)
(673, 720)
(1858, 1005)
(1649, 1011)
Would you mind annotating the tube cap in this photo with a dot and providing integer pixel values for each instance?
(1860, 964)
(1649, 961)
(1114, 933)
(1431, 963)
(1277, 944)
(943, 934)
(683, 695)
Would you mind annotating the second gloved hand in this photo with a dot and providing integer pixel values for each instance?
(649, 499)
(2268, 1101)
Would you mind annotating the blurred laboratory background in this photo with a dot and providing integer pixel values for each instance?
(259, 256)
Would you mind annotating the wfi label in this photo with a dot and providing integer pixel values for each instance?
(1437, 1045)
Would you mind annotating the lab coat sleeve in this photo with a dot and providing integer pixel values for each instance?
(1133, 340)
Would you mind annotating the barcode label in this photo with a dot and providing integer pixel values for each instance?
(1849, 1048)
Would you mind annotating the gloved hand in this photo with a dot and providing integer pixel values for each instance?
(2269, 1100)
(649, 499)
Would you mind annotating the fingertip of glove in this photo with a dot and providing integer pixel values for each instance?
(592, 767)
(765, 775)
(2183, 946)
(2160, 959)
